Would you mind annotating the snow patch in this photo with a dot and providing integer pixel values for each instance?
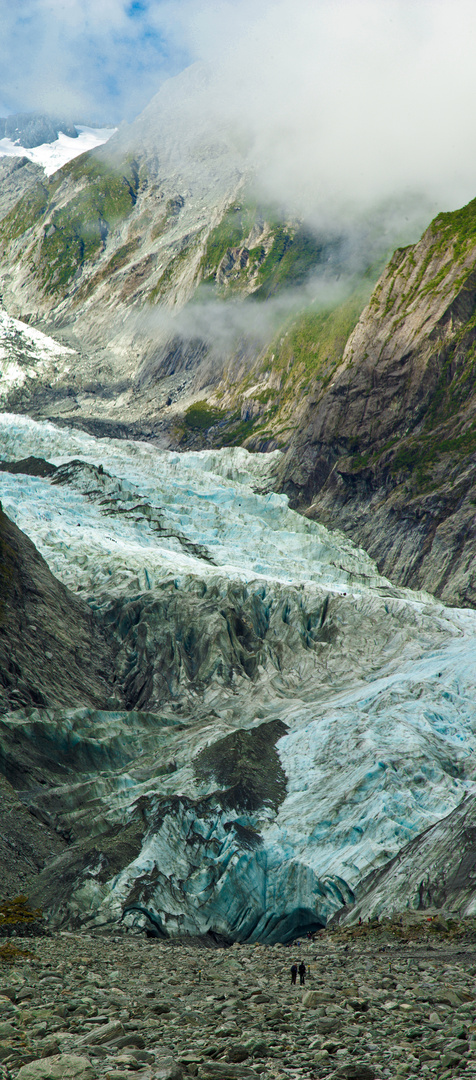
(52, 156)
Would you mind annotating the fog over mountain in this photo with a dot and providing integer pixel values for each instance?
(346, 103)
(342, 104)
(237, 457)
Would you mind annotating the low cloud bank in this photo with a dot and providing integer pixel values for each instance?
(340, 104)
(225, 325)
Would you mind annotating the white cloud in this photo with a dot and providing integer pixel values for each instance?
(344, 101)
(351, 100)
(86, 57)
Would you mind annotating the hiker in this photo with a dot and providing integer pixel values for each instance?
(294, 971)
(302, 973)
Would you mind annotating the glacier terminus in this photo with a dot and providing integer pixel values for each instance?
(283, 718)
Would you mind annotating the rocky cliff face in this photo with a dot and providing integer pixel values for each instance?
(51, 651)
(386, 452)
(437, 870)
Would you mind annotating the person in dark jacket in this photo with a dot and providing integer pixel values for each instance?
(294, 971)
(302, 973)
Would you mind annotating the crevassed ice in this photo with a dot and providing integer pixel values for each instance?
(372, 756)
(204, 498)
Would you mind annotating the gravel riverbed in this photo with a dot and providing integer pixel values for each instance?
(91, 1007)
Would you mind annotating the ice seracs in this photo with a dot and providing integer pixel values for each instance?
(26, 353)
(243, 633)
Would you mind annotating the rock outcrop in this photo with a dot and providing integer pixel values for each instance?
(435, 871)
(34, 128)
(51, 650)
(386, 452)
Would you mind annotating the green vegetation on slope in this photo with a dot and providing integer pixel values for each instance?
(250, 249)
(291, 258)
(458, 228)
(299, 363)
(25, 213)
(200, 416)
(261, 409)
(76, 232)
(230, 233)
(421, 278)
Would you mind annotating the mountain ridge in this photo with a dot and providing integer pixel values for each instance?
(228, 631)
(390, 452)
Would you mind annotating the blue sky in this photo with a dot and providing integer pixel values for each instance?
(98, 59)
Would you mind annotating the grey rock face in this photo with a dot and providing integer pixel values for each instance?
(33, 129)
(51, 650)
(386, 451)
(60, 1067)
(435, 871)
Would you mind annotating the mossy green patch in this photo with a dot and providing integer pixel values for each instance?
(456, 228)
(305, 355)
(9, 953)
(25, 213)
(317, 339)
(16, 911)
(294, 253)
(447, 242)
(200, 416)
(238, 432)
(417, 455)
(255, 249)
(230, 233)
(77, 233)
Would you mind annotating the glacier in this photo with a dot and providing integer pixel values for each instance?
(26, 354)
(290, 718)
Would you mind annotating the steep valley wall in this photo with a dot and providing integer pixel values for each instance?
(387, 453)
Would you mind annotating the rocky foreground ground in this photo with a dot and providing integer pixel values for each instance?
(119, 1006)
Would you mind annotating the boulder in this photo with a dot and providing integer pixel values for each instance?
(60, 1067)
(355, 1071)
(312, 998)
(104, 1034)
(237, 1053)
(326, 1024)
(7, 1031)
(211, 1070)
(167, 1069)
